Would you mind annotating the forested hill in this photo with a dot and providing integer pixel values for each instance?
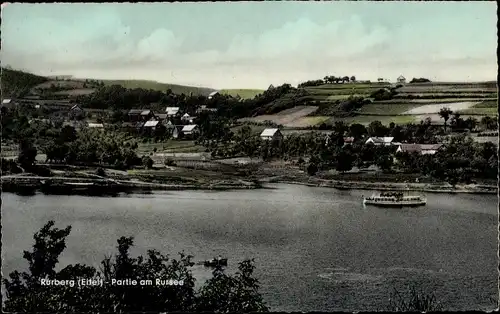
(16, 83)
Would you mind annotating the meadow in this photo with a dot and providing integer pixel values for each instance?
(243, 93)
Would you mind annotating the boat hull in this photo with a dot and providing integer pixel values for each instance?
(394, 204)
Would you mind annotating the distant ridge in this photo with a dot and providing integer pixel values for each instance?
(154, 85)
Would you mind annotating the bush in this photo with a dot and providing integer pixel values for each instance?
(147, 162)
(169, 162)
(100, 172)
(221, 293)
(413, 300)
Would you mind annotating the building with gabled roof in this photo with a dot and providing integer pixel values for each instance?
(380, 140)
(213, 94)
(271, 135)
(172, 111)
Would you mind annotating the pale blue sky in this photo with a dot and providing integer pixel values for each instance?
(253, 44)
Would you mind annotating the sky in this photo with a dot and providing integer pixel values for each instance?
(253, 44)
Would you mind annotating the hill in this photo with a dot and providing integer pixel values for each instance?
(400, 103)
(243, 93)
(16, 83)
(163, 87)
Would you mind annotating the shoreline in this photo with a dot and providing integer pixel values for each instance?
(93, 186)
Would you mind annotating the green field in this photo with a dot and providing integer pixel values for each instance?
(243, 93)
(361, 119)
(176, 89)
(487, 104)
(387, 109)
(171, 146)
(480, 111)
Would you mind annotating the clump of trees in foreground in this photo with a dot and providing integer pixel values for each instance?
(222, 293)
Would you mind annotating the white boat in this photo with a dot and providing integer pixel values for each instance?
(394, 199)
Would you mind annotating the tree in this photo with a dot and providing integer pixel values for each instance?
(345, 161)
(147, 162)
(353, 79)
(221, 293)
(384, 162)
(312, 168)
(357, 130)
(445, 113)
(27, 153)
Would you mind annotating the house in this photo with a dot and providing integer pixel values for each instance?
(213, 94)
(77, 125)
(138, 126)
(76, 112)
(172, 111)
(348, 140)
(134, 115)
(147, 114)
(186, 117)
(401, 79)
(190, 130)
(422, 149)
(271, 135)
(161, 116)
(8, 103)
(150, 126)
(96, 125)
(386, 141)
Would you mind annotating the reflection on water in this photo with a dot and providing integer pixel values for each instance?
(314, 248)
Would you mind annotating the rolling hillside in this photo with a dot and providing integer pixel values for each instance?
(14, 83)
(176, 89)
(411, 103)
(243, 93)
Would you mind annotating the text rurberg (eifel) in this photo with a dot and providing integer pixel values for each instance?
(85, 282)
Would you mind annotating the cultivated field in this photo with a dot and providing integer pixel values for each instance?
(294, 117)
(243, 93)
(434, 108)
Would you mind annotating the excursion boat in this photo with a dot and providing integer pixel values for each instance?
(395, 199)
(214, 262)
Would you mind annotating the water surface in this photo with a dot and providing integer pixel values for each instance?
(314, 248)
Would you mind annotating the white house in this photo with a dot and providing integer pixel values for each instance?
(271, 135)
(96, 125)
(151, 124)
(401, 79)
(212, 94)
(186, 117)
(6, 101)
(190, 129)
(386, 141)
(422, 149)
(172, 111)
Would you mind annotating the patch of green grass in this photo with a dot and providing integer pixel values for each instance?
(176, 89)
(243, 93)
(314, 120)
(361, 119)
(343, 91)
(387, 109)
(255, 128)
(171, 146)
(480, 111)
(487, 104)
(348, 86)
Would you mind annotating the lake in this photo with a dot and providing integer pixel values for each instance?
(315, 249)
